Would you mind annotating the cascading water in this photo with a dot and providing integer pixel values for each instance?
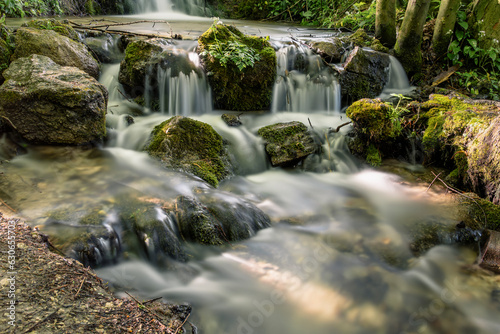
(398, 80)
(304, 83)
(190, 7)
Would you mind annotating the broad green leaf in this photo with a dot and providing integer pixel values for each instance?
(459, 34)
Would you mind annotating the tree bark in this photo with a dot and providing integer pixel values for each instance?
(408, 44)
(385, 22)
(443, 30)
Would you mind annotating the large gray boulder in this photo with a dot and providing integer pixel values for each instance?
(61, 49)
(51, 104)
(365, 74)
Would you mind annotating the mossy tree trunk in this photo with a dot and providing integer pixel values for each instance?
(485, 23)
(445, 23)
(408, 44)
(385, 22)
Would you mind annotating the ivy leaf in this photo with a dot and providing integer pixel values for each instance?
(463, 24)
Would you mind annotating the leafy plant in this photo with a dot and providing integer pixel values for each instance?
(395, 113)
(231, 51)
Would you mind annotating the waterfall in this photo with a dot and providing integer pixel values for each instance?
(190, 7)
(177, 90)
(398, 81)
(304, 83)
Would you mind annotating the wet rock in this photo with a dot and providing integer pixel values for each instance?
(218, 220)
(365, 74)
(231, 119)
(288, 143)
(144, 59)
(490, 254)
(245, 89)
(330, 50)
(61, 49)
(104, 48)
(50, 104)
(193, 146)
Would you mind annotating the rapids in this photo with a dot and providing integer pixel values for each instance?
(337, 257)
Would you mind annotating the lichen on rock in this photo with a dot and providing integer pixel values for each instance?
(193, 146)
(234, 87)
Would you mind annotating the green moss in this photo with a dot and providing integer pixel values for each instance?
(480, 213)
(359, 38)
(372, 118)
(373, 156)
(192, 145)
(61, 27)
(235, 89)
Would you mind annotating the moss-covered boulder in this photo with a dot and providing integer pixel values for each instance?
(5, 50)
(218, 220)
(192, 146)
(365, 74)
(61, 27)
(50, 104)
(288, 143)
(376, 128)
(145, 59)
(61, 49)
(241, 69)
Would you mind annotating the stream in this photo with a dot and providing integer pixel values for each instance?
(336, 258)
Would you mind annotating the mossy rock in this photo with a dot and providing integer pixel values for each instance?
(234, 89)
(50, 104)
(365, 74)
(61, 27)
(374, 129)
(5, 50)
(288, 143)
(331, 50)
(231, 119)
(192, 146)
(61, 49)
(479, 213)
(218, 220)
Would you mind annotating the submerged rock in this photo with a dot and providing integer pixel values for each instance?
(288, 143)
(365, 74)
(61, 49)
(241, 69)
(50, 104)
(192, 146)
(217, 220)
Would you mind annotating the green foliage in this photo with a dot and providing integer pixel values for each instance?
(361, 15)
(396, 112)
(20, 8)
(483, 74)
(231, 51)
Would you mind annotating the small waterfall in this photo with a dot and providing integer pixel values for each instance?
(304, 83)
(398, 81)
(178, 85)
(190, 7)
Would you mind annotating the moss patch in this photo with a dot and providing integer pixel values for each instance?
(61, 27)
(235, 89)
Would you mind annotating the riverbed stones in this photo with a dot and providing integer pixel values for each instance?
(61, 49)
(287, 143)
(243, 75)
(192, 146)
(365, 74)
(51, 104)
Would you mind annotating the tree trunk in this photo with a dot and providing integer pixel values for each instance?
(443, 30)
(408, 44)
(385, 22)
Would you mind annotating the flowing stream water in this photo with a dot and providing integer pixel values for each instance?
(336, 258)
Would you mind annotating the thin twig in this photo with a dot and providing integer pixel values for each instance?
(83, 280)
(41, 321)
(339, 127)
(435, 178)
(178, 328)
(7, 206)
(152, 300)
(310, 124)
